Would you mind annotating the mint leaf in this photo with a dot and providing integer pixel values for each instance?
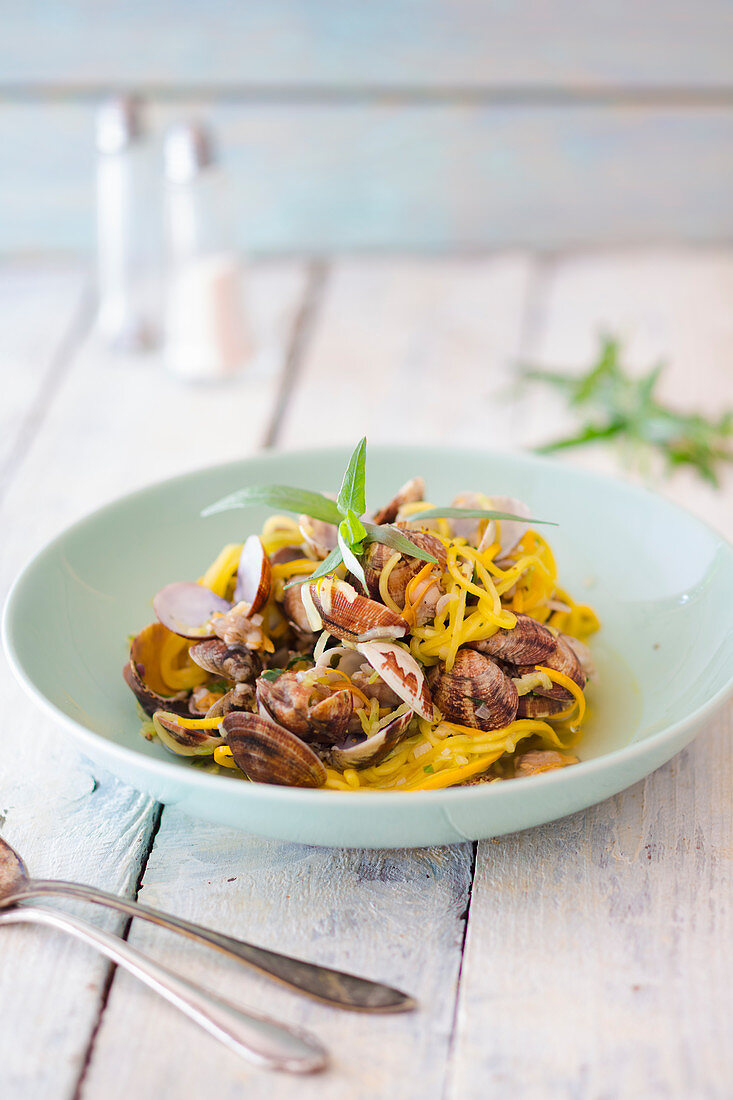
(283, 497)
(352, 494)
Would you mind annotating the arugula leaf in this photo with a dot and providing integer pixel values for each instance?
(352, 494)
(473, 513)
(328, 565)
(283, 497)
(393, 538)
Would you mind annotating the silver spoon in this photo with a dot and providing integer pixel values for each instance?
(259, 1039)
(333, 986)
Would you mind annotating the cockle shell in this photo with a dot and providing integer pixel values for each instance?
(187, 609)
(351, 617)
(401, 672)
(294, 703)
(144, 677)
(360, 753)
(254, 575)
(412, 491)
(475, 692)
(184, 740)
(529, 642)
(562, 659)
(233, 662)
(269, 753)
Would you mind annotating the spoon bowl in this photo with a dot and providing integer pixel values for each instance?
(13, 873)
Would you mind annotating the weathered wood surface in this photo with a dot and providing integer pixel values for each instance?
(598, 959)
(391, 176)
(98, 427)
(397, 916)
(599, 956)
(402, 45)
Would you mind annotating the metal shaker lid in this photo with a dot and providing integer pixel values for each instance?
(119, 123)
(188, 150)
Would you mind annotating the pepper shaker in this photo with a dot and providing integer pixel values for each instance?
(205, 332)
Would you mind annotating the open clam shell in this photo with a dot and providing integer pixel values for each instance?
(144, 677)
(187, 608)
(292, 703)
(269, 753)
(350, 616)
(181, 736)
(562, 659)
(254, 575)
(233, 662)
(412, 491)
(401, 672)
(360, 753)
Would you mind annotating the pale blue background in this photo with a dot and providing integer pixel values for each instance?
(390, 124)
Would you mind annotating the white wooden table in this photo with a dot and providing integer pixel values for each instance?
(590, 958)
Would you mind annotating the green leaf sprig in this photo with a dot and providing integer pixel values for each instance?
(354, 534)
(621, 407)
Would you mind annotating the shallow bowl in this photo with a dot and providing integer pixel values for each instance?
(661, 581)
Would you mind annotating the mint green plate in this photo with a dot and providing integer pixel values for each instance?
(660, 580)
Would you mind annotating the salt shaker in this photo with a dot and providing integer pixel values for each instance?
(126, 237)
(205, 332)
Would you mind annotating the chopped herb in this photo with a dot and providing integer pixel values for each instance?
(429, 769)
(271, 674)
(618, 406)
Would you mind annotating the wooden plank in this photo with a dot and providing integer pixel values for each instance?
(671, 305)
(41, 305)
(315, 177)
(599, 958)
(114, 424)
(400, 345)
(588, 962)
(394, 915)
(397, 916)
(402, 44)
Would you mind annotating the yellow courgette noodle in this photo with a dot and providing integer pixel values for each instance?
(481, 595)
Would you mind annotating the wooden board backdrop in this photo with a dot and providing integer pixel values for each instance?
(426, 125)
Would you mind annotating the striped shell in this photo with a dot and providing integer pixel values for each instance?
(360, 753)
(529, 642)
(401, 672)
(268, 753)
(475, 693)
(351, 617)
(563, 659)
(233, 662)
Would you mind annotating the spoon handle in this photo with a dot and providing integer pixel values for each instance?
(257, 1038)
(333, 986)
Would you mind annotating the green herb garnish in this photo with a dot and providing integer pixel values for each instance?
(625, 408)
(353, 533)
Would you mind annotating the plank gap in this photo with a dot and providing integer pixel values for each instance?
(465, 916)
(324, 95)
(112, 968)
(301, 332)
